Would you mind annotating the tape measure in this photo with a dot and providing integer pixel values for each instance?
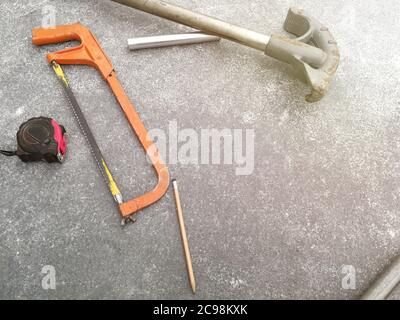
(40, 139)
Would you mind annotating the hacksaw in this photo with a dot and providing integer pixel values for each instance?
(89, 52)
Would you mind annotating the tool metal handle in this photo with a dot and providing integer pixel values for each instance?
(201, 22)
(385, 284)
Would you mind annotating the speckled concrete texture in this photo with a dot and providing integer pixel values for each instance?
(325, 189)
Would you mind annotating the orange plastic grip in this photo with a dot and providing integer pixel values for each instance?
(56, 35)
(90, 53)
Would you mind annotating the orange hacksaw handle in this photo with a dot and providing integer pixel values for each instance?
(90, 53)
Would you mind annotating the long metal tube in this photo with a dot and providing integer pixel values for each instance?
(385, 284)
(201, 22)
(170, 40)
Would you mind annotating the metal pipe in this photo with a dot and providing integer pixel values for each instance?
(170, 40)
(185, 242)
(201, 22)
(313, 63)
(385, 284)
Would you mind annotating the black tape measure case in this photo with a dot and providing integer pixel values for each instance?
(40, 139)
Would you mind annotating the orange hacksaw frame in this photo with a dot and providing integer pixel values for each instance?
(90, 53)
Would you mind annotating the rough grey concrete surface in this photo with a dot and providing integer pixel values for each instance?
(325, 189)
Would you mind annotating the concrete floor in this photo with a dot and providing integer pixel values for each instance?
(325, 189)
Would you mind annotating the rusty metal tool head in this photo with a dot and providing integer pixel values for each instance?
(313, 65)
(89, 52)
(314, 55)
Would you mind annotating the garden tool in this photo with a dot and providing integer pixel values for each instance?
(314, 65)
(89, 52)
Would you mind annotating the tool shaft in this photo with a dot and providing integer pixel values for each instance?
(201, 22)
(169, 40)
(385, 284)
(185, 242)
